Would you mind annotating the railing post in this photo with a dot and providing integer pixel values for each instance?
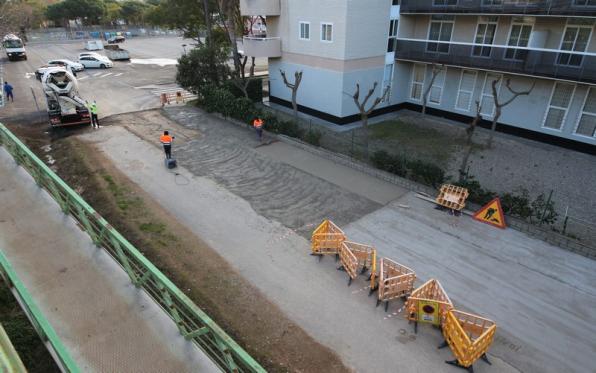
(82, 215)
(227, 355)
(171, 307)
(123, 259)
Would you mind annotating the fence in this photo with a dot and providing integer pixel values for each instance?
(62, 34)
(191, 321)
(40, 323)
(355, 256)
(428, 303)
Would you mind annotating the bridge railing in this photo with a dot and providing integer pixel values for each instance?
(193, 323)
(37, 319)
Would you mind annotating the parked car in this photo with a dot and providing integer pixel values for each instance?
(84, 54)
(116, 39)
(75, 66)
(100, 62)
(42, 70)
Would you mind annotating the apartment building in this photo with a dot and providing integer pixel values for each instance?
(544, 44)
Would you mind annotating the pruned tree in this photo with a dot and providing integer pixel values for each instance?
(469, 143)
(293, 87)
(364, 112)
(435, 72)
(499, 105)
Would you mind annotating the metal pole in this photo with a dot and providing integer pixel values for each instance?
(566, 218)
(550, 195)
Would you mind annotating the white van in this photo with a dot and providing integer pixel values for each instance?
(93, 45)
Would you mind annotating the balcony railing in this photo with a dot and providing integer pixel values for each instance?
(261, 47)
(260, 7)
(574, 66)
(529, 7)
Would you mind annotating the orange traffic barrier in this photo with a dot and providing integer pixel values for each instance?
(429, 304)
(327, 239)
(356, 257)
(453, 197)
(469, 337)
(395, 281)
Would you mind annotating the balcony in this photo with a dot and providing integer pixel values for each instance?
(531, 7)
(260, 7)
(261, 47)
(572, 66)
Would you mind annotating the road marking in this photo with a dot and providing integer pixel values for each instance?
(108, 74)
(83, 78)
(97, 74)
(118, 74)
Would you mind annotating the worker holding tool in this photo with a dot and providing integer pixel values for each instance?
(258, 125)
(166, 141)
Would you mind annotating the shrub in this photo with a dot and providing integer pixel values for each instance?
(517, 205)
(477, 193)
(313, 137)
(387, 162)
(540, 207)
(426, 173)
(254, 89)
(290, 128)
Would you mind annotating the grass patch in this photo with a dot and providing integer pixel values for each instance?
(123, 196)
(416, 139)
(151, 227)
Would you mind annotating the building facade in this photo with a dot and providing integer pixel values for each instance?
(464, 44)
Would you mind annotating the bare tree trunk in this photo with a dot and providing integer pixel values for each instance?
(364, 112)
(500, 105)
(294, 87)
(435, 72)
(207, 16)
(252, 67)
(469, 143)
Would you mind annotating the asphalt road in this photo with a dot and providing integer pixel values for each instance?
(128, 86)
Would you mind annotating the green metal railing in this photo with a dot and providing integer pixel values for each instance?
(193, 323)
(10, 362)
(40, 323)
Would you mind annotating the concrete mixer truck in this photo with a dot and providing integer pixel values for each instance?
(65, 106)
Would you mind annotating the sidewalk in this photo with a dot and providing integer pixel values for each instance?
(103, 320)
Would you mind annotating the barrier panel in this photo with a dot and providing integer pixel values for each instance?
(357, 257)
(469, 337)
(429, 304)
(327, 239)
(192, 322)
(453, 197)
(395, 281)
(179, 97)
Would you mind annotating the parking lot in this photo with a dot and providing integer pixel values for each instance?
(128, 86)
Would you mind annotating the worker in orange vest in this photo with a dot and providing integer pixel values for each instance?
(258, 125)
(166, 141)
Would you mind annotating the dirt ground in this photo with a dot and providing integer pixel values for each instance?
(238, 307)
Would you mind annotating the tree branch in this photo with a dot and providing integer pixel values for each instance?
(515, 93)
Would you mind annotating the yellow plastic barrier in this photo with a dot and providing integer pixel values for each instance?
(357, 257)
(429, 304)
(327, 239)
(469, 337)
(453, 197)
(395, 281)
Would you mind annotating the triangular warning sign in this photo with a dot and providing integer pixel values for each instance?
(492, 213)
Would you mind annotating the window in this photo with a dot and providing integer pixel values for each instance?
(586, 125)
(467, 82)
(492, 2)
(444, 2)
(576, 39)
(304, 31)
(485, 34)
(395, 2)
(392, 44)
(585, 2)
(436, 90)
(388, 79)
(327, 32)
(519, 36)
(560, 99)
(487, 99)
(417, 82)
(440, 29)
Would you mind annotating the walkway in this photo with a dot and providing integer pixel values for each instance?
(105, 322)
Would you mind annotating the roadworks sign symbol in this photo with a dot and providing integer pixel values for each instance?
(492, 213)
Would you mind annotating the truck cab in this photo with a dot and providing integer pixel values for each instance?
(15, 48)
